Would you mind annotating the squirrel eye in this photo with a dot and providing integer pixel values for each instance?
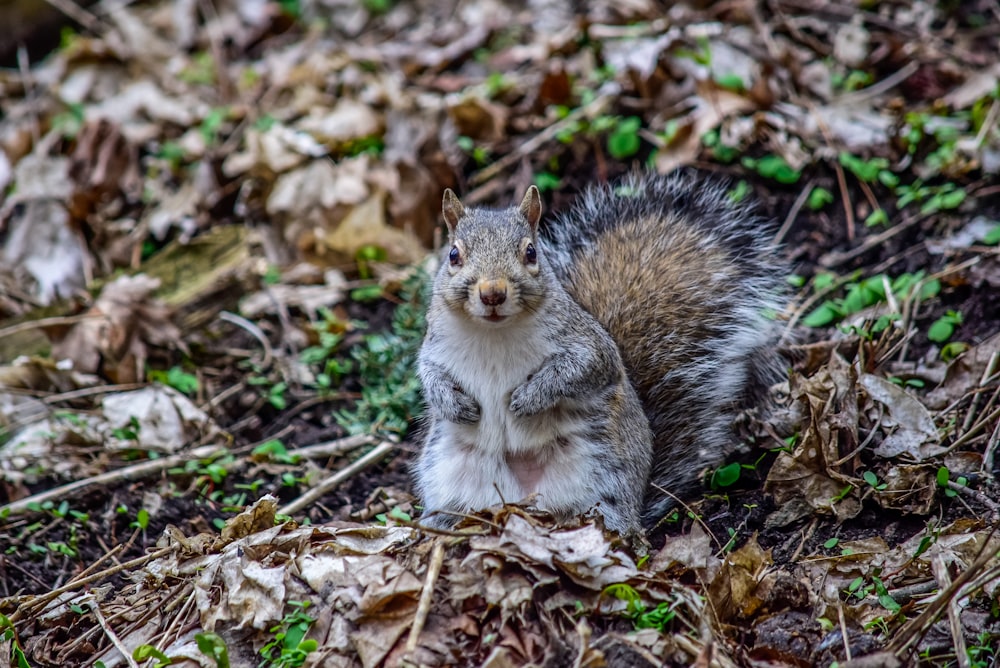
(455, 257)
(530, 256)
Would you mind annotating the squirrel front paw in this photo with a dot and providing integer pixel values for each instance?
(461, 408)
(526, 401)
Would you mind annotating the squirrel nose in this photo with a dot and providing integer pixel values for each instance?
(493, 293)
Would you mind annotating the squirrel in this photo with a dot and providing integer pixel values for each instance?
(600, 361)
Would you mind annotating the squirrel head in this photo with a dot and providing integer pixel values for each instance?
(493, 270)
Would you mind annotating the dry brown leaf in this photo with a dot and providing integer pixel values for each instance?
(365, 225)
(808, 473)
(479, 119)
(909, 426)
(347, 120)
(114, 342)
(733, 589)
(164, 420)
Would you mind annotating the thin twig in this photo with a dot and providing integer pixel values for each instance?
(899, 76)
(970, 415)
(832, 260)
(843, 632)
(254, 331)
(331, 448)
(975, 429)
(597, 106)
(793, 212)
(426, 596)
(110, 632)
(55, 321)
(977, 495)
(135, 472)
(317, 492)
(907, 637)
(78, 14)
(28, 604)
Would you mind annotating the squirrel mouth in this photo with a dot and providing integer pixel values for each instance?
(494, 317)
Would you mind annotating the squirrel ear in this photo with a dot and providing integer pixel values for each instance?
(451, 209)
(531, 207)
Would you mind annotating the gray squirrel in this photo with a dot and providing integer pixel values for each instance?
(601, 360)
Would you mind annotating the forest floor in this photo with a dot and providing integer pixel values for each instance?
(216, 220)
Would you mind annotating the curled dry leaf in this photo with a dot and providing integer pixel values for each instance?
(733, 590)
(163, 419)
(277, 149)
(909, 427)
(809, 473)
(103, 166)
(152, 419)
(42, 241)
(115, 342)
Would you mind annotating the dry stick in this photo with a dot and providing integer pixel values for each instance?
(426, 596)
(56, 321)
(976, 494)
(976, 396)
(314, 494)
(331, 448)
(90, 569)
(975, 429)
(911, 632)
(111, 633)
(837, 259)
(841, 179)
(794, 212)
(843, 632)
(128, 473)
(879, 87)
(254, 331)
(78, 14)
(597, 106)
(188, 593)
(990, 450)
(806, 535)
(91, 391)
(940, 571)
(27, 603)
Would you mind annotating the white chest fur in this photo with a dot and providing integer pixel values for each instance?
(503, 457)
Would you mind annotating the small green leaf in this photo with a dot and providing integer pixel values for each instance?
(953, 349)
(726, 476)
(992, 236)
(870, 478)
(775, 167)
(930, 289)
(943, 476)
(796, 281)
(823, 281)
(832, 543)
(731, 81)
(213, 646)
(819, 198)
(823, 315)
(941, 330)
(877, 217)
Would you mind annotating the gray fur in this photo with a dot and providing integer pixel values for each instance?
(655, 289)
(696, 258)
(556, 410)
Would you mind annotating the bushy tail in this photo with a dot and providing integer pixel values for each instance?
(688, 284)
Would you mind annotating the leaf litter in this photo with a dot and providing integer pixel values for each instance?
(259, 171)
